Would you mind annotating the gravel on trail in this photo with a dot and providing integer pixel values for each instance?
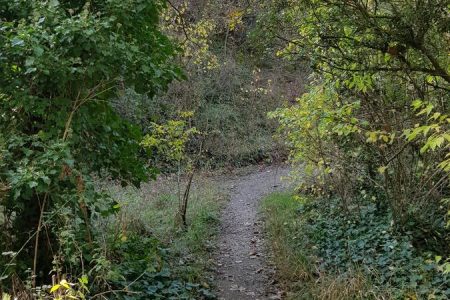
(242, 260)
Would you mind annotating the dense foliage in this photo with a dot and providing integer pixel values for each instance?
(62, 64)
(376, 119)
(373, 129)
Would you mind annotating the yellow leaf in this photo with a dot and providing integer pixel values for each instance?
(382, 169)
(55, 288)
(84, 279)
(65, 284)
(371, 137)
(6, 297)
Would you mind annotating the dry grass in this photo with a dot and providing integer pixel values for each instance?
(353, 286)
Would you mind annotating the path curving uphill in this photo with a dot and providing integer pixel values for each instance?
(243, 271)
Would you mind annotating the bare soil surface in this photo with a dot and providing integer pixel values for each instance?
(243, 267)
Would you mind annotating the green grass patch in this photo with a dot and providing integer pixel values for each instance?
(283, 231)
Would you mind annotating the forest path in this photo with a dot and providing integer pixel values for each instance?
(243, 270)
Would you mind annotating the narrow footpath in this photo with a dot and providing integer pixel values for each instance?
(243, 269)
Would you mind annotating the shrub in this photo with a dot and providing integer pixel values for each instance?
(62, 62)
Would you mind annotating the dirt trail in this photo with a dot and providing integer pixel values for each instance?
(242, 266)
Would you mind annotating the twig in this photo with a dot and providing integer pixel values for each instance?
(124, 290)
(183, 24)
(115, 291)
(36, 244)
(185, 199)
(79, 102)
(31, 237)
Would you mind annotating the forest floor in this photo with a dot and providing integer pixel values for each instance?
(243, 263)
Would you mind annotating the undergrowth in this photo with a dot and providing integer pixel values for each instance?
(141, 251)
(322, 253)
(159, 259)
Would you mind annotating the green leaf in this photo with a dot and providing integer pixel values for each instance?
(32, 184)
(29, 61)
(53, 3)
(16, 42)
(38, 51)
(46, 180)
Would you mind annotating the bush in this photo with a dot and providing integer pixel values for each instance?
(62, 63)
(374, 124)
